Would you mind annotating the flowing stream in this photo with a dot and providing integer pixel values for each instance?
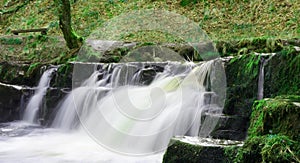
(261, 76)
(119, 111)
(32, 108)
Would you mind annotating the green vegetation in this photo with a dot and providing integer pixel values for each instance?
(242, 84)
(180, 151)
(275, 116)
(284, 73)
(32, 67)
(11, 41)
(273, 135)
(32, 49)
(183, 152)
(249, 45)
(267, 148)
(238, 27)
(222, 20)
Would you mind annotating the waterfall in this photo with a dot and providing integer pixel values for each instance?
(261, 76)
(140, 104)
(34, 104)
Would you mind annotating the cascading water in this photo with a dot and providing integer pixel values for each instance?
(134, 107)
(119, 109)
(261, 76)
(34, 104)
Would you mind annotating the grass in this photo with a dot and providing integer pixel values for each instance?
(222, 20)
(32, 49)
(247, 24)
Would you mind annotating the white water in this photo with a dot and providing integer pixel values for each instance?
(54, 146)
(261, 76)
(118, 113)
(34, 104)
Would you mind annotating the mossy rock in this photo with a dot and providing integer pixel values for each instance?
(282, 77)
(63, 77)
(282, 73)
(210, 151)
(268, 148)
(250, 45)
(242, 77)
(275, 116)
(19, 74)
(273, 135)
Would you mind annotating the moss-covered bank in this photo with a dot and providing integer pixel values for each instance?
(282, 73)
(276, 116)
(274, 132)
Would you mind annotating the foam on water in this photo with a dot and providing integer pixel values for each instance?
(52, 145)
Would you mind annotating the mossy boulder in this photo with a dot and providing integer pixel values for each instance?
(276, 116)
(282, 77)
(242, 77)
(282, 73)
(273, 135)
(268, 148)
(193, 149)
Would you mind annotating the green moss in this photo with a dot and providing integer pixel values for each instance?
(11, 41)
(279, 148)
(63, 77)
(242, 76)
(268, 148)
(182, 152)
(275, 116)
(249, 45)
(221, 19)
(273, 135)
(292, 98)
(10, 75)
(32, 68)
(231, 153)
(282, 75)
(40, 48)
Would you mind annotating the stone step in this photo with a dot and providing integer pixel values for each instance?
(196, 149)
(226, 127)
(12, 101)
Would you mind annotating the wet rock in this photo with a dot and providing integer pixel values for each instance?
(18, 74)
(195, 149)
(229, 127)
(12, 102)
(50, 105)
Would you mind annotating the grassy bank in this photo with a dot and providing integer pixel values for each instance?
(245, 26)
(222, 20)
